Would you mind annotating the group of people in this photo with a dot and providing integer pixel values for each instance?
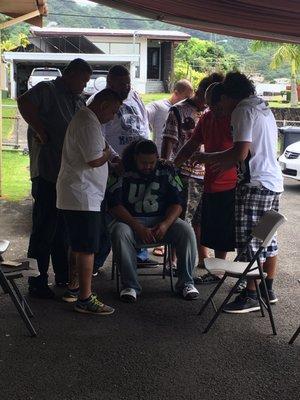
(99, 182)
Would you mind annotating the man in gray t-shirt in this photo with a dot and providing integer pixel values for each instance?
(48, 108)
(158, 110)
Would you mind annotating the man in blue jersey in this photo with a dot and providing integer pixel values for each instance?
(146, 203)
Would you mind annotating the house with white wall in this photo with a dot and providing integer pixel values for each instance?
(149, 54)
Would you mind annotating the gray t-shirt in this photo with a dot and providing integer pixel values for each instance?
(57, 105)
(158, 112)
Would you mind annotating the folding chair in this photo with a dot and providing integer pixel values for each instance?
(8, 275)
(166, 264)
(296, 334)
(264, 231)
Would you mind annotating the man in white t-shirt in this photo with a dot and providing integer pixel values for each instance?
(260, 180)
(81, 186)
(129, 124)
(158, 111)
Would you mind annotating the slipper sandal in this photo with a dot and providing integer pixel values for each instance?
(158, 251)
(147, 263)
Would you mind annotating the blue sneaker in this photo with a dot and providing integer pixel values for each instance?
(93, 306)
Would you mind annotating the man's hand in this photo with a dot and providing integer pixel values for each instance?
(107, 151)
(160, 230)
(145, 234)
(199, 158)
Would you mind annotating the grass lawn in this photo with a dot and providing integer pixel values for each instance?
(149, 97)
(15, 174)
(8, 124)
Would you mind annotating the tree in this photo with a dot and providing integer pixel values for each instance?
(204, 56)
(285, 53)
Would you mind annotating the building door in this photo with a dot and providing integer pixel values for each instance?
(153, 68)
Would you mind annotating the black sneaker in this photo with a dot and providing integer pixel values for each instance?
(242, 304)
(39, 288)
(272, 296)
(206, 279)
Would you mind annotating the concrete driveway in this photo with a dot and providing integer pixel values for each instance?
(153, 349)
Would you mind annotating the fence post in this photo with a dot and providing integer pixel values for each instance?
(17, 133)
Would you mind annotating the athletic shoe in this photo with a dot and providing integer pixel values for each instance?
(206, 279)
(242, 304)
(241, 286)
(93, 306)
(70, 296)
(189, 292)
(272, 296)
(128, 295)
(95, 272)
(39, 288)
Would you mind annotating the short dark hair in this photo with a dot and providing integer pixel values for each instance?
(107, 95)
(208, 80)
(118, 70)
(238, 86)
(77, 65)
(216, 90)
(139, 146)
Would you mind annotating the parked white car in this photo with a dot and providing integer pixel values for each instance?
(42, 74)
(290, 161)
(96, 83)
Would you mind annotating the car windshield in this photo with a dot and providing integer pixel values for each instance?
(96, 75)
(45, 72)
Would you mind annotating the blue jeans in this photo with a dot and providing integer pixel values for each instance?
(124, 243)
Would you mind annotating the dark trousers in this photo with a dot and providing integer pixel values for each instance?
(49, 236)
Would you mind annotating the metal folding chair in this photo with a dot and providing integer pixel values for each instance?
(166, 264)
(264, 231)
(8, 275)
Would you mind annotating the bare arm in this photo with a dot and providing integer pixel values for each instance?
(101, 160)
(30, 113)
(167, 147)
(187, 150)
(223, 160)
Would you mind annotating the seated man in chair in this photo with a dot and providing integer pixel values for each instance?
(146, 203)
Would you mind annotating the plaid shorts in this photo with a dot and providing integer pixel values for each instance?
(192, 191)
(250, 205)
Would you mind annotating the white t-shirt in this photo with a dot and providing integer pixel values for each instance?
(130, 123)
(158, 112)
(79, 186)
(253, 121)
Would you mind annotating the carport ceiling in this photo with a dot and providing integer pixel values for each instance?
(20, 8)
(277, 20)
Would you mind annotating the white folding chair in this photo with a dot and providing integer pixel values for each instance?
(263, 231)
(8, 275)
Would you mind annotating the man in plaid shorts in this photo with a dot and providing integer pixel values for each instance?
(260, 183)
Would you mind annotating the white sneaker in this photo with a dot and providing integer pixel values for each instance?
(128, 295)
(189, 292)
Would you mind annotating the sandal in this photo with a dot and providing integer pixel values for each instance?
(158, 251)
